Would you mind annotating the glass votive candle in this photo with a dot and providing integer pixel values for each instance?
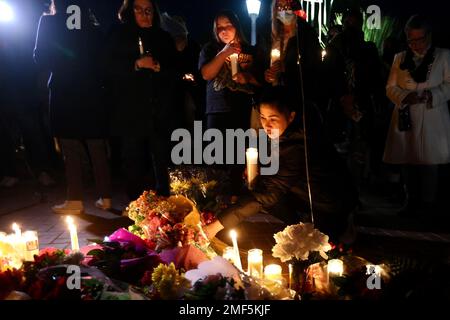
(31, 244)
(273, 272)
(255, 263)
(228, 254)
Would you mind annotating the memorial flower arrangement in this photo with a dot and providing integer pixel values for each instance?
(168, 222)
(299, 243)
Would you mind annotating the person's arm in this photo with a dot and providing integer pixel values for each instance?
(42, 51)
(441, 94)
(396, 94)
(211, 69)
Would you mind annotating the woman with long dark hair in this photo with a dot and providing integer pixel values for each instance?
(77, 114)
(142, 67)
(228, 100)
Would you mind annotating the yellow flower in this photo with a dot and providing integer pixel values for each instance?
(169, 282)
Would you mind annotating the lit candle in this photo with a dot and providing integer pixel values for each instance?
(273, 272)
(335, 268)
(252, 166)
(255, 263)
(275, 55)
(228, 254)
(141, 47)
(290, 275)
(237, 257)
(31, 245)
(234, 64)
(17, 230)
(324, 54)
(73, 234)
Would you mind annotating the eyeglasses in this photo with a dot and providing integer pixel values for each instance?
(417, 41)
(143, 11)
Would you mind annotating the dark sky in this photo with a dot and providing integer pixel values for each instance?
(199, 14)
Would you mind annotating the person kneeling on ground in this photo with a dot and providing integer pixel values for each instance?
(285, 194)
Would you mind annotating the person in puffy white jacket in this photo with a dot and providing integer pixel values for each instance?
(419, 134)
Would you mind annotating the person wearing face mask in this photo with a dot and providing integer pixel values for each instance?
(419, 134)
(292, 36)
(142, 67)
(285, 194)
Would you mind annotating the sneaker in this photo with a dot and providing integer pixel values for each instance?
(9, 182)
(104, 203)
(46, 180)
(69, 208)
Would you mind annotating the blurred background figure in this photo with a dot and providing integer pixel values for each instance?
(77, 112)
(191, 88)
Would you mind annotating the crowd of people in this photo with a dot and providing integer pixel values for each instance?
(119, 97)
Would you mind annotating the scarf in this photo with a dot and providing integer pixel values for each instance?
(419, 73)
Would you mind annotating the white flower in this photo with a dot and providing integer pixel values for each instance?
(297, 241)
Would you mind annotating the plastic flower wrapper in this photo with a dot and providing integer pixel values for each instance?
(297, 242)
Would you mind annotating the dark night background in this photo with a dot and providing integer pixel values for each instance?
(199, 14)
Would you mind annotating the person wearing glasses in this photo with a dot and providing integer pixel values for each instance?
(142, 68)
(419, 134)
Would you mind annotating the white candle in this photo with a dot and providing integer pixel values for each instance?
(273, 272)
(335, 268)
(228, 254)
(237, 257)
(252, 166)
(31, 245)
(234, 64)
(73, 234)
(255, 263)
(307, 11)
(290, 275)
(141, 47)
(17, 230)
(275, 55)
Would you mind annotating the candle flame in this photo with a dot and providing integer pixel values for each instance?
(233, 234)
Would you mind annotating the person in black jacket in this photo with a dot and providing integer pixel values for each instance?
(141, 60)
(285, 194)
(77, 113)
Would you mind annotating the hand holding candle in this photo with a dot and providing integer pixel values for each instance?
(234, 64)
(141, 47)
(275, 56)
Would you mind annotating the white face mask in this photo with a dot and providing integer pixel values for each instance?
(286, 17)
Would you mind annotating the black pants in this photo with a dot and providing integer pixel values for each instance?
(73, 151)
(421, 184)
(136, 154)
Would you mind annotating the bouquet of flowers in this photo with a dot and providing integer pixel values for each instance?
(302, 246)
(167, 222)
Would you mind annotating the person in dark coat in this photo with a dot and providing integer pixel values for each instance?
(295, 41)
(142, 67)
(285, 195)
(77, 113)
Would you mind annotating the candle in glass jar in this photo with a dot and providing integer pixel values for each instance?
(73, 234)
(252, 166)
(234, 64)
(31, 241)
(335, 268)
(228, 254)
(273, 272)
(255, 263)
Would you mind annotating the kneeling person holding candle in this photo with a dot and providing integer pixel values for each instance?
(285, 194)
